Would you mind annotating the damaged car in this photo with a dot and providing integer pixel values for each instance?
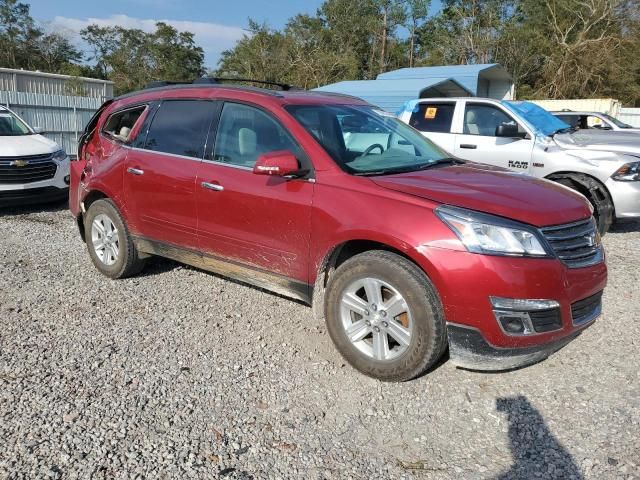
(405, 251)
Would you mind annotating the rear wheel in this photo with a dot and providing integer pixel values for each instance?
(384, 316)
(110, 246)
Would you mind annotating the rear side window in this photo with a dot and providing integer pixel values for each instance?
(180, 127)
(433, 117)
(120, 124)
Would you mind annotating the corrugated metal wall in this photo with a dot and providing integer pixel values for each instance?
(52, 84)
(630, 116)
(62, 117)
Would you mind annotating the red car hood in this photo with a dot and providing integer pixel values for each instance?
(493, 190)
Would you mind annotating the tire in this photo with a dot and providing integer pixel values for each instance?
(393, 277)
(120, 258)
(596, 193)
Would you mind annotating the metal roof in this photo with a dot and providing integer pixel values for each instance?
(390, 95)
(465, 75)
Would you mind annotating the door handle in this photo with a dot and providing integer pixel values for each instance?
(212, 186)
(469, 146)
(135, 171)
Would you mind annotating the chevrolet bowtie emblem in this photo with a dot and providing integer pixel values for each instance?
(19, 163)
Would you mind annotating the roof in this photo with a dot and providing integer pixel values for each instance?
(465, 75)
(288, 96)
(390, 95)
(391, 90)
(35, 73)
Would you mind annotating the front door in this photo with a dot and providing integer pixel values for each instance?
(257, 220)
(160, 177)
(478, 141)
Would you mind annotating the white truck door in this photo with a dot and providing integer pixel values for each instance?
(478, 141)
(434, 120)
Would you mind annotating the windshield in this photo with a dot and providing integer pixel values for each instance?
(363, 140)
(617, 122)
(541, 121)
(10, 125)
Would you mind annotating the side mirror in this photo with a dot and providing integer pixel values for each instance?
(281, 163)
(509, 130)
(38, 130)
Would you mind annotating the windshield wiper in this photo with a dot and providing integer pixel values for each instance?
(413, 168)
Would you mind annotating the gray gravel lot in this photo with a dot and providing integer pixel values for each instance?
(178, 373)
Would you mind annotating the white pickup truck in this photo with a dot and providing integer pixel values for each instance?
(521, 136)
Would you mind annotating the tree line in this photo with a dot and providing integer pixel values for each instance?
(552, 48)
(130, 57)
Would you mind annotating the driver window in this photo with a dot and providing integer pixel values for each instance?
(483, 120)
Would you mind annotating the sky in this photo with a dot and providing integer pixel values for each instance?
(217, 24)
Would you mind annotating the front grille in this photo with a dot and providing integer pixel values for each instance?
(26, 169)
(586, 309)
(546, 320)
(576, 244)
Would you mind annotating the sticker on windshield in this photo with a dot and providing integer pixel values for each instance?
(430, 113)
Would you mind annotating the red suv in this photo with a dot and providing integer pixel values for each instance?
(403, 249)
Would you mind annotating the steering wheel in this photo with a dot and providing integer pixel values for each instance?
(373, 147)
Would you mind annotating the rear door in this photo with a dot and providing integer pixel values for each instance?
(257, 220)
(434, 120)
(161, 170)
(478, 141)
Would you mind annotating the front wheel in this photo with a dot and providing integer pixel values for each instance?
(384, 316)
(596, 193)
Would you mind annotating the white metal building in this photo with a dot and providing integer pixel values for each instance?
(12, 80)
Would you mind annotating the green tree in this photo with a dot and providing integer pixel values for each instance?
(261, 54)
(417, 13)
(133, 58)
(23, 44)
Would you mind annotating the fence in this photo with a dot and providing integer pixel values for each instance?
(61, 117)
(630, 116)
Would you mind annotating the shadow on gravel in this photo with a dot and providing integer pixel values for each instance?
(12, 210)
(627, 226)
(536, 452)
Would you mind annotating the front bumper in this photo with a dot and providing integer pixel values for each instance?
(50, 190)
(466, 282)
(626, 198)
(469, 349)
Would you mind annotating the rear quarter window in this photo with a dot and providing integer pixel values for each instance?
(433, 117)
(120, 124)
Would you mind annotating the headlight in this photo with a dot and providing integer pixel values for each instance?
(59, 155)
(481, 233)
(628, 173)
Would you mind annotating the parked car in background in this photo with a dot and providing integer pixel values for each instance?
(322, 197)
(525, 138)
(32, 167)
(594, 121)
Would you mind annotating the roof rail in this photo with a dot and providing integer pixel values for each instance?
(162, 83)
(214, 80)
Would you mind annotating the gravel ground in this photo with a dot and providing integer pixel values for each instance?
(178, 373)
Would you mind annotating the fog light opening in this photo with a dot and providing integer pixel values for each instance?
(67, 179)
(512, 324)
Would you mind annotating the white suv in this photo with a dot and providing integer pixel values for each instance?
(32, 167)
(521, 136)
